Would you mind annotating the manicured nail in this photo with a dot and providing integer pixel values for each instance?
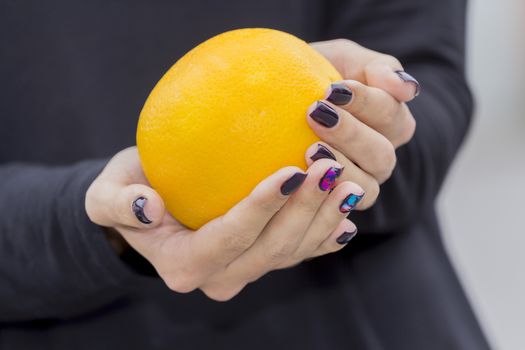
(324, 115)
(293, 183)
(407, 78)
(340, 94)
(349, 203)
(327, 182)
(138, 210)
(346, 237)
(322, 152)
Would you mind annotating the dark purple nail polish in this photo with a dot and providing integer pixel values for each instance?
(407, 78)
(346, 237)
(138, 209)
(327, 182)
(293, 183)
(324, 115)
(340, 94)
(349, 203)
(322, 152)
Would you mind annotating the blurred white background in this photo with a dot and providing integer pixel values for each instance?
(482, 206)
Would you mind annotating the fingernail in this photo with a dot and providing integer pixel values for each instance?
(340, 94)
(327, 182)
(138, 210)
(293, 183)
(324, 115)
(407, 78)
(346, 237)
(349, 203)
(322, 152)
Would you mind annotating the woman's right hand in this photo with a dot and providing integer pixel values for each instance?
(286, 219)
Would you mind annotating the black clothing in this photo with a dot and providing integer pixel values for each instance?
(74, 76)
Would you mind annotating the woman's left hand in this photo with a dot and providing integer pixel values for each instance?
(364, 118)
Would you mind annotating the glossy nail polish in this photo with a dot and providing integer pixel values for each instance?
(324, 115)
(138, 209)
(293, 183)
(340, 94)
(349, 203)
(346, 237)
(327, 182)
(322, 152)
(407, 78)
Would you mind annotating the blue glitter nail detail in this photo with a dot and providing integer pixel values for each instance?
(350, 202)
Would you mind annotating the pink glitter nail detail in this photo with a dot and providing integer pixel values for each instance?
(328, 180)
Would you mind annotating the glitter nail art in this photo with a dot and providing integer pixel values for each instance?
(349, 203)
(327, 182)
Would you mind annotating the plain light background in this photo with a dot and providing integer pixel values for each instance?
(482, 206)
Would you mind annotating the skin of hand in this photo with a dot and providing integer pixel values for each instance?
(288, 217)
(364, 118)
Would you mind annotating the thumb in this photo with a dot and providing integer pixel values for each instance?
(115, 205)
(138, 206)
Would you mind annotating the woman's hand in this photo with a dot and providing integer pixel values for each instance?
(289, 217)
(363, 118)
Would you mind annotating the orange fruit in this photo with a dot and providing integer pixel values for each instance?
(228, 114)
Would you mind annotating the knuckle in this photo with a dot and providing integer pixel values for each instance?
(265, 203)
(180, 283)
(327, 218)
(237, 242)
(361, 103)
(281, 252)
(308, 204)
(388, 158)
(342, 43)
(388, 121)
(222, 293)
(391, 60)
(384, 161)
(236, 239)
(408, 130)
(91, 203)
(390, 118)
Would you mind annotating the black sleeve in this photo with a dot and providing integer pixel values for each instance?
(54, 262)
(428, 37)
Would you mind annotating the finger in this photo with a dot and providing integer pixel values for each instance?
(373, 68)
(133, 206)
(364, 146)
(222, 240)
(374, 107)
(212, 247)
(119, 198)
(338, 239)
(352, 172)
(388, 74)
(285, 231)
(335, 209)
